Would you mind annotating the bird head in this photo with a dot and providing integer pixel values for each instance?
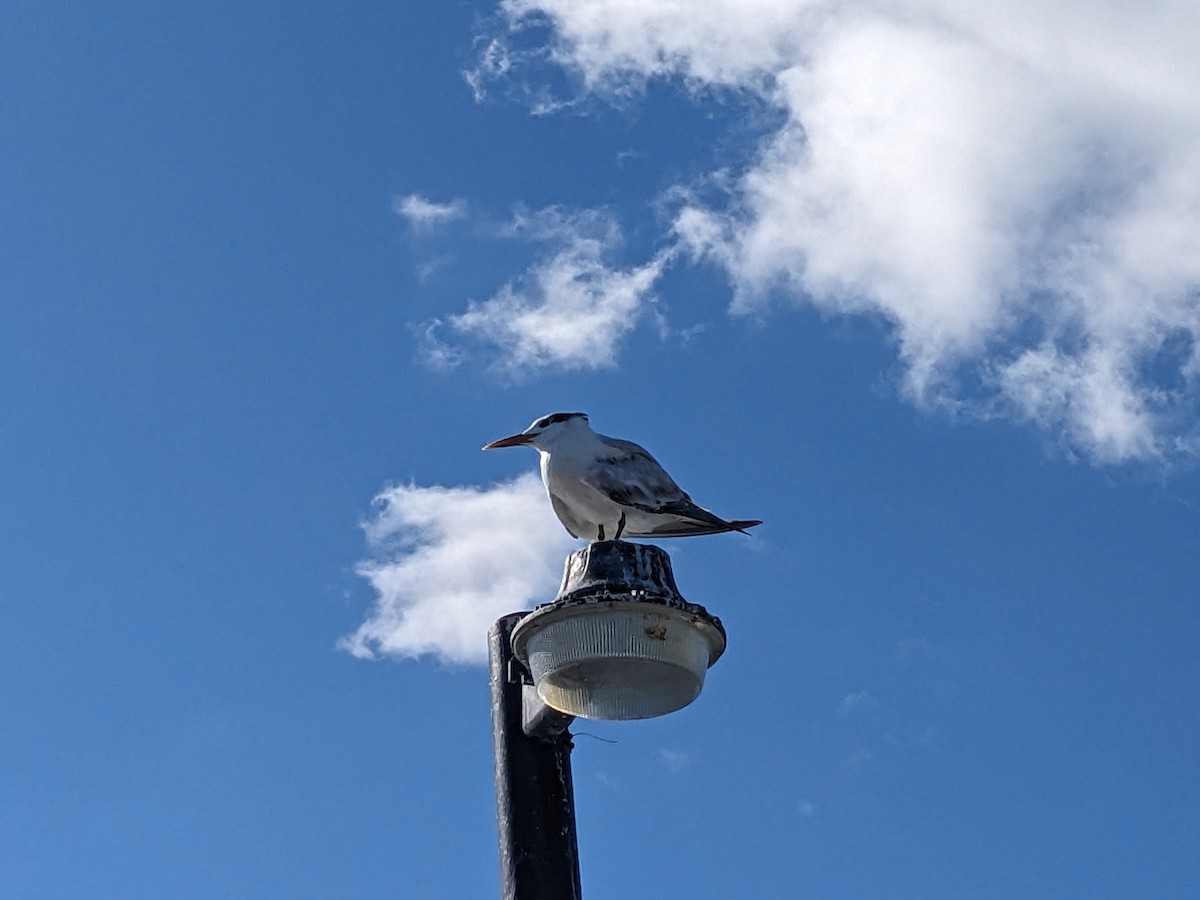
(543, 432)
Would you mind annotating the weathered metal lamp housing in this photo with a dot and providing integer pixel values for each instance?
(618, 642)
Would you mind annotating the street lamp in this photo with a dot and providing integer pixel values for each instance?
(618, 642)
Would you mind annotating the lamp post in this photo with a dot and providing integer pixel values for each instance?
(618, 642)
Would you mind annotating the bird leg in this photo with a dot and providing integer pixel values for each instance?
(600, 532)
(620, 528)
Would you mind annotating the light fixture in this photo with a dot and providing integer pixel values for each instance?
(618, 642)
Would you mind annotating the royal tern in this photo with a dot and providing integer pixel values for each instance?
(602, 486)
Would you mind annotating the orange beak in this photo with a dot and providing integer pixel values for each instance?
(515, 440)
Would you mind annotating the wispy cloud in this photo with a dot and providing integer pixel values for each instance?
(675, 760)
(1015, 187)
(806, 808)
(424, 214)
(433, 352)
(571, 310)
(858, 702)
(448, 561)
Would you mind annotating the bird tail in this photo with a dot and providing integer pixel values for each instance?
(691, 527)
(742, 524)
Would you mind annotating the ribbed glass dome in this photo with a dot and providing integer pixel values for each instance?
(618, 659)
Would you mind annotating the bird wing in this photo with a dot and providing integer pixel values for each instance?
(630, 476)
(574, 527)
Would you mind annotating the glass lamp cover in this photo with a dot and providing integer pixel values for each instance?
(619, 659)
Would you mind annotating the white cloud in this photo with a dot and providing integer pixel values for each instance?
(449, 561)
(433, 352)
(572, 309)
(1014, 186)
(424, 214)
(494, 62)
(1093, 391)
(728, 42)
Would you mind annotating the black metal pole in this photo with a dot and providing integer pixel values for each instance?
(535, 802)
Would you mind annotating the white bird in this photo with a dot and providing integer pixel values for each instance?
(602, 486)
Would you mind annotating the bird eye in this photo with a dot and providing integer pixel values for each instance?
(542, 423)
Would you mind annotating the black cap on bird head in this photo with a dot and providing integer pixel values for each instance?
(553, 418)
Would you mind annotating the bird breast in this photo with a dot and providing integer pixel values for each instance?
(565, 478)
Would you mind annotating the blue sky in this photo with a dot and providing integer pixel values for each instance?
(918, 286)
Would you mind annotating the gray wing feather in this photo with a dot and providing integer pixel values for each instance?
(632, 477)
(629, 475)
(686, 528)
